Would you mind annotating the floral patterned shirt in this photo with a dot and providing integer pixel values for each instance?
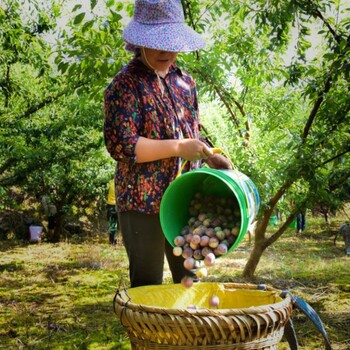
(136, 105)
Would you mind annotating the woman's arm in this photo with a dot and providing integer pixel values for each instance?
(148, 150)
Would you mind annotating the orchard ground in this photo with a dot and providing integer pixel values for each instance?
(60, 296)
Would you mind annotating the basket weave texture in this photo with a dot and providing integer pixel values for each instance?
(154, 327)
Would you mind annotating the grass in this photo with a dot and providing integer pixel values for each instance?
(60, 296)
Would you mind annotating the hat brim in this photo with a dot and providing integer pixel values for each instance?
(174, 37)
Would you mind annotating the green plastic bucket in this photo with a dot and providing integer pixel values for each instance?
(273, 221)
(293, 224)
(174, 213)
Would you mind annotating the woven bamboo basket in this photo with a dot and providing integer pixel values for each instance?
(164, 317)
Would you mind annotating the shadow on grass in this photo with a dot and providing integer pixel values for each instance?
(11, 244)
(12, 267)
(87, 326)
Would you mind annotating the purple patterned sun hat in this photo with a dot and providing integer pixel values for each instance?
(160, 25)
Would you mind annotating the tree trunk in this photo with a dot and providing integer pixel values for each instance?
(56, 236)
(253, 260)
(327, 218)
(261, 243)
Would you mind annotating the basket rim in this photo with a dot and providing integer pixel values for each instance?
(262, 309)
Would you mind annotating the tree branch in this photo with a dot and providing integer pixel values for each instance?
(318, 14)
(273, 238)
(316, 107)
(340, 181)
(221, 96)
(33, 109)
(334, 158)
(274, 200)
(187, 10)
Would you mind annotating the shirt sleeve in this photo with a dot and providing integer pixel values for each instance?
(122, 119)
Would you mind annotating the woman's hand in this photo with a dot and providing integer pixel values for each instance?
(218, 161)
(193, 149)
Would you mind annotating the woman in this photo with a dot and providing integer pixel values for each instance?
(150, 126)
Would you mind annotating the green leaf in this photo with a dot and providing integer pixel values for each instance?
(116, 16)
(109, 3)
(79, 18)
(93, 4)
(87, 26)
(62, 67)
(76, 7)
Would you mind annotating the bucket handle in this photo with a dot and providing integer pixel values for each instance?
(217, 150)
(235, 169)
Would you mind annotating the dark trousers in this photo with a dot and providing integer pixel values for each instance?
(112, 217)
(301, 222)
(146, 245)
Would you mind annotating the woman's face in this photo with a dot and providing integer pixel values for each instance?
(157, 59)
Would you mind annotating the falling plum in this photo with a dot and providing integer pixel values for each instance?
(209, 259)
(187, 281)
(202, 272)
(179, 241)
(177, 251)
(214, 301)
(189, 263)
